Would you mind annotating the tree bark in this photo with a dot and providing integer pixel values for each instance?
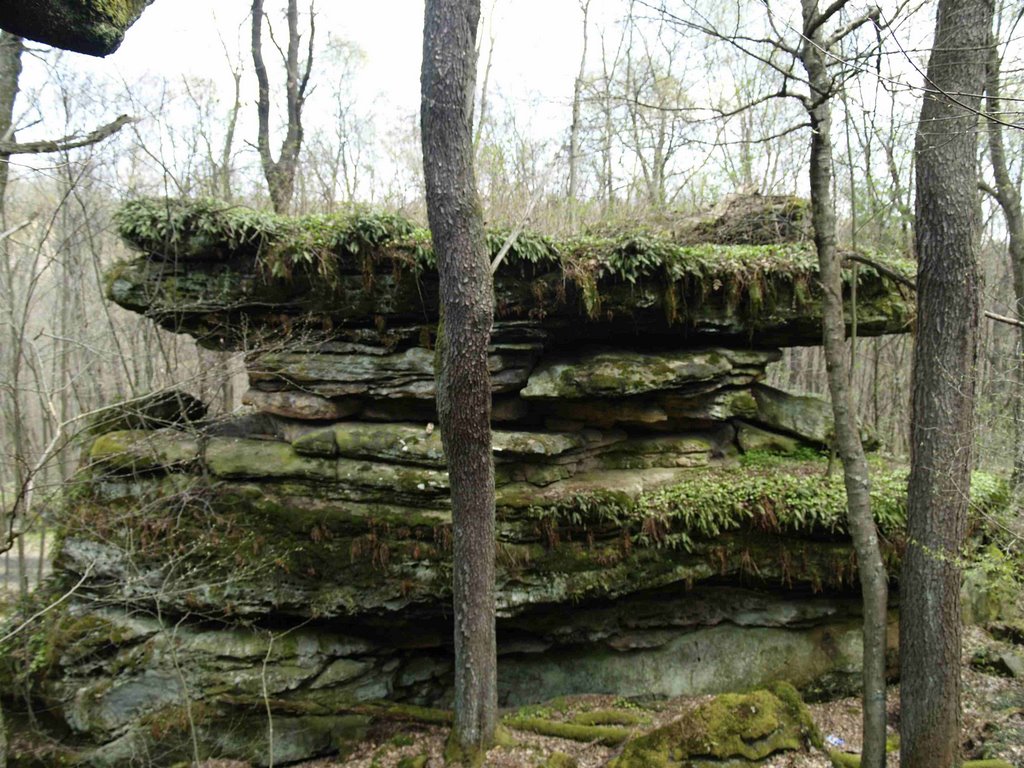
(463, 389)
(942, 411)
(280, 174)
(870, 567)
(10, 71)
(11, 47)
(1008, 197)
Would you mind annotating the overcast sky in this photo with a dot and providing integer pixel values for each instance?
(536, 58)
(537, 49)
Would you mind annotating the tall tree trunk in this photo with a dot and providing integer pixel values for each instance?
(10, 70)
(11, 47)
(280, 174)
(575, 127)
(463, 387)
(1008, 197)
(942, 411)
(871, 569)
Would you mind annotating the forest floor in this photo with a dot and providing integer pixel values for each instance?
(993, 713)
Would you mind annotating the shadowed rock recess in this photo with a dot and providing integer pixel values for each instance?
(665, 525)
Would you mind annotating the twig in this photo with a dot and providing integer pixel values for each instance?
(904, 280)
(525, 219)
(15, 229)
(50, 607)
(1004, 319)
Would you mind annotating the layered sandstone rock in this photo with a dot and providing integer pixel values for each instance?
(664, 522)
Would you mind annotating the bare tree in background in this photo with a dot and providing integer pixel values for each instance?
(1007, 194)
(825, 72)
(280, 173)
(575, 127)
(463, 387)
(942, 413)
(814, 52)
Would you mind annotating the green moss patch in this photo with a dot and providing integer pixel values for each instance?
(750, 277)
(748, 726)
(608, 735)
(768, 493)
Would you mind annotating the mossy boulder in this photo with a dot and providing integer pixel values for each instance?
(750, 726)
(132, 451)
(377, 374)
(95, 27)
(751, 219)
(806, 416)
(751, 438)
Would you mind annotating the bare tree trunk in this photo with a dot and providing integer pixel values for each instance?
(280, 173)
(481, 119)
(873, 578)
(463, 388)
(942, 412)
(224, 181)
(1007, 195)
(575, 127)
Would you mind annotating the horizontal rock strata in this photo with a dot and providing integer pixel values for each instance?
(665, 524)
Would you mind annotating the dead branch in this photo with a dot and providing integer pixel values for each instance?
(74, 141)
(892, 274)
(1004, 319)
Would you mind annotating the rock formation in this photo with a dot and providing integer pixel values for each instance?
(665, 525)
(95, 27)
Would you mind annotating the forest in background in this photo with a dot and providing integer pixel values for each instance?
(669, 115)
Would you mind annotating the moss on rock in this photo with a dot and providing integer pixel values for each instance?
(94, 27)
(131, 451)
(347, 270)
(748, 726)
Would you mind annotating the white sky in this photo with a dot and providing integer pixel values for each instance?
(538, 43)
(536, 57)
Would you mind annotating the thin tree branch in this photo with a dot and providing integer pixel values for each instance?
(1004, 319)
(892, 274)
(872, 14)
(74, 141)
(15, 229)
(822, 17)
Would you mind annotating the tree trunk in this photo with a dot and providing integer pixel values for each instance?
(1008, 197)
(463, 388)
(576, 128)
(10, 71)
(280, 174)
(873, 578)
(942, 411)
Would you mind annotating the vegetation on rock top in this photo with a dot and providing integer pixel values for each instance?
(208, 230)
(765, 492)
